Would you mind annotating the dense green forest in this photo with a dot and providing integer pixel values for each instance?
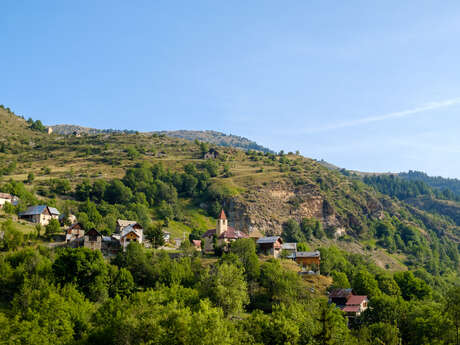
(437, 182)
(74, 296)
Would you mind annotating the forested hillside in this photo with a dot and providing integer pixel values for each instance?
(372, 234)
(437, 182)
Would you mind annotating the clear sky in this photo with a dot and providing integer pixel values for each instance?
(367, 85)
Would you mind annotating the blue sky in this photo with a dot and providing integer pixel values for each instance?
(366, 85)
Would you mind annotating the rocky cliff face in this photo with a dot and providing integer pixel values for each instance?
(266, 208)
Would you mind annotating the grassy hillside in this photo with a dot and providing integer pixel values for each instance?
(260, 191)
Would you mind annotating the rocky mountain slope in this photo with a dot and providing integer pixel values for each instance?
(260, 191)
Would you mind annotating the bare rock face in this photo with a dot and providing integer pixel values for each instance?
(266, 208)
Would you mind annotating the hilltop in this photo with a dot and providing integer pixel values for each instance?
(212, 137)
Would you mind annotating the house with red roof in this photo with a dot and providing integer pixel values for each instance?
(352, 305)
(221, 235)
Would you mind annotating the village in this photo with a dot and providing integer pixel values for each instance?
(219, 238)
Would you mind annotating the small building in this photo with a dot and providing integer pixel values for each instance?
(121, 224)
(5, 197)
(197, 244)
(75, 232)
(270, 245)
(211, 154)
(222, 235)
(306, 259)
(352, 305)
(355, 306)
(289, 249)
(93, 240)
(50, 130)
(166, 236)
(41, 214)
(131, 233)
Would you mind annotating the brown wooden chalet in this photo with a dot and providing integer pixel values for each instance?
(308, 258)
(270, 245)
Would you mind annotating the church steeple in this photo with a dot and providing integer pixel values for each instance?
(221, 224)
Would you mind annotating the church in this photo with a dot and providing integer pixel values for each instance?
(221, 235)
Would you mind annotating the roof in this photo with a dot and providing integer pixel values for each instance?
(356, 300)
(54, 211)
(222, 215)
(351, 309)
(196, 243)
(6, 196)
(315, 254)
(76, 225)
(32, 210)
(123, 223)
(271, 239)
(231, 233)
(130, 228)
(289, 246)
(340, 293)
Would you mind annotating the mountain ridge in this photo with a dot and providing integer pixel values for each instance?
(210, 136)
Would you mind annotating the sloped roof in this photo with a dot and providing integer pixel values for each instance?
(222, 215)
(54, 211)
(196, 243)
(123, 222)
(271, 239)
(356, 300)
(130, 228)
(231, 233)
(340, 293)
(315, 254)
(6, 196)
(351, 308)
(289, 246)
(32, 210)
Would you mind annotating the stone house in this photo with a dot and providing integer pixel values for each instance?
(93, 240)
(270, 245)
(222, 235)
(74, 234)
(41, 214)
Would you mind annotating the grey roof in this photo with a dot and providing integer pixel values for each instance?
(271, 239)
(54, 211)
(315, 254)
(289, 246)
(32, 210)
(123, 222)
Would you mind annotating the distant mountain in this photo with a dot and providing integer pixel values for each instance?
(213, 137)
